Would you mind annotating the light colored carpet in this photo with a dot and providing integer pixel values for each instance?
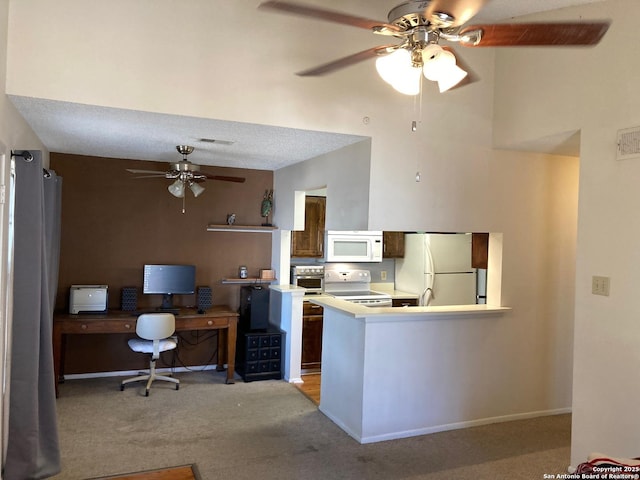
(270, 430)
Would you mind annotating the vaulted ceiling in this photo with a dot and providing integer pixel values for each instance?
(119, 133)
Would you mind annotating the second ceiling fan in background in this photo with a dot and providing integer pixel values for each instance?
(185, 174)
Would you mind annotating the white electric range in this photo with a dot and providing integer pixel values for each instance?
(353, 286)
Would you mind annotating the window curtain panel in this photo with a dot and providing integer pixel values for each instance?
(32, 443)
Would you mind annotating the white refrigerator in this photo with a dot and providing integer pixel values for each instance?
(437, 267)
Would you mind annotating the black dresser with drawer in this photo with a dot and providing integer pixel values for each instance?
(259, 355)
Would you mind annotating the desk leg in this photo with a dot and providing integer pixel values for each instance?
(232, 333)
(223, 339)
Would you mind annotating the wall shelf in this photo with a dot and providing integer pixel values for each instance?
(240, 228)
(247, 281)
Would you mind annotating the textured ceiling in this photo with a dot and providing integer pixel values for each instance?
(116, 133)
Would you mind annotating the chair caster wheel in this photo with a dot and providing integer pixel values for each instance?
(177, 386)
(122, 388)
(146, 393)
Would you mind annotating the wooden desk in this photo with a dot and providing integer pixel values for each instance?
(218, 317)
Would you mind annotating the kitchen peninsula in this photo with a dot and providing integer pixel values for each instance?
(390, 373)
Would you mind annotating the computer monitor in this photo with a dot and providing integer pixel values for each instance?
(167, 280)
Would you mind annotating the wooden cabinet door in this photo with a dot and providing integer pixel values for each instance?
(479, 250)
(310, 242)
(393, 244)
(311, 336)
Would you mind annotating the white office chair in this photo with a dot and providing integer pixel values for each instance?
(154, 330)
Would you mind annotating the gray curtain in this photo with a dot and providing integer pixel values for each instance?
(32, 445)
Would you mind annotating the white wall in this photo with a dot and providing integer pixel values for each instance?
(14, 131)
(344, 173)
(139, 56)
(226, 60)
(595, 91)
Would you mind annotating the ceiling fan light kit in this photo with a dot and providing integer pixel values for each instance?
(402, 68)
(422, 24)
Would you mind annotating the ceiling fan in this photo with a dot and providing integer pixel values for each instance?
(420, 25)
(185, 174)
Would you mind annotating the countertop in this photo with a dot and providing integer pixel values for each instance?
(381, 313)
(389, 289)
(408, 313)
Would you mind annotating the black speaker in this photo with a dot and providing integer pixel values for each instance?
(254, 308)
(205, 298)
(129, 299)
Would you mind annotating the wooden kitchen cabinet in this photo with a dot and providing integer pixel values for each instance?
(311, 336)
(393, 244)
(310, 242)
(479, 250)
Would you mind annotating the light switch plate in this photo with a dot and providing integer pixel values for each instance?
(600, 285)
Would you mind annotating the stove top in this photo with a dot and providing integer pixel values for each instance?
(358, 294)
(353, 286)
(367, 298)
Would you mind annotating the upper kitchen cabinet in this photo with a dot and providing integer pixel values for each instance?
(310, 242)
(479, 250)
(393, 244)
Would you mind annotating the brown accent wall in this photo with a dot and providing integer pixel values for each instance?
(112, 224)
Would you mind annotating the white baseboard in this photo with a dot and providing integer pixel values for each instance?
(441, 428)
(127, 373)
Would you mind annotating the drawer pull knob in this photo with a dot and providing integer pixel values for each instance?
(210, 322)
(127, 326)
(84, 326)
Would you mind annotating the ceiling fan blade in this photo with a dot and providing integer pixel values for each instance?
(461, 10)
(132, 170)
(224, 178)
(539, 34)
(327, 15)
(347, 61)
(150, 176)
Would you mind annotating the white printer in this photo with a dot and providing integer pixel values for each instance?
(88, 298)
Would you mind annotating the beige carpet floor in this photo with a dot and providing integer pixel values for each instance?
(270, 430)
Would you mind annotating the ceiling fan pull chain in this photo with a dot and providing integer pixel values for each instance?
(417, 108)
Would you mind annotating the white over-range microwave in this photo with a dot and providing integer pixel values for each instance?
(353, 246)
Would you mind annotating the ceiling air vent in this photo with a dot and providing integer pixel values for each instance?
(628, 142)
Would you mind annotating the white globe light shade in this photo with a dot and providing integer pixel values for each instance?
(450, 78)
(196, 188)
(435, 60)
(388, 66)
(440, 66)
(409, 83)
(397, 70)
(176, 189)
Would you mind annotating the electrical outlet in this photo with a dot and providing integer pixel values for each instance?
(383, 275)
(600, 285)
